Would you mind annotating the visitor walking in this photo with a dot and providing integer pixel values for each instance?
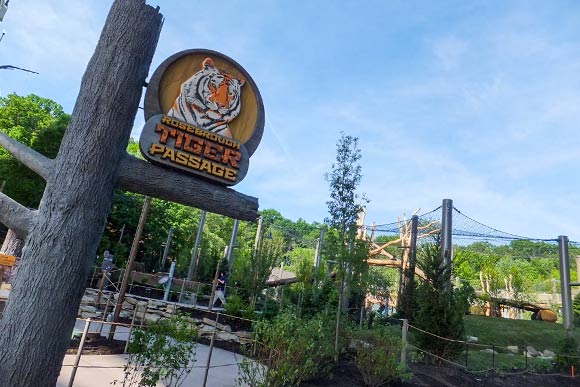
(220, 290)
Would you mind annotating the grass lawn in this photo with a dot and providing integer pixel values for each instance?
(501, 333)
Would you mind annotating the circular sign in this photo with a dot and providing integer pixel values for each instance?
(210, 91)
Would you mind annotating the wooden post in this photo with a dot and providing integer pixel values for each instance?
(79, 353)
(129, 269)
(404, 331)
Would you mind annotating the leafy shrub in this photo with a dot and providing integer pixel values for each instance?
(249, 312)
(569, 354)
(377, 357)
(161, 352)
(234, 306)
(290, 351)
(270, 309)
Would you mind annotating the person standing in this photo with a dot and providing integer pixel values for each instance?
(220, 290)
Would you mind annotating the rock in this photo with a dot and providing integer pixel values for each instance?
(125, 314)
(142, 304)
(472, 339)
(512, 348)
(88, 315)
(532, 351)
(219, 326)
(151, 318)
(244, 335)
(489, 350)
(87, 308)
(548, 354)
(88, 300)
(206, 329)
(131, 300)
(225, 336)
(127, 306)
(171, 308)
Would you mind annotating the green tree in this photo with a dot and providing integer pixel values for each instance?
(344, 206)
(38, 123)
(440, 309)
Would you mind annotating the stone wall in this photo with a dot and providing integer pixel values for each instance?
(149, 311)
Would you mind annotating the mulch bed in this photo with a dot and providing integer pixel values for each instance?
(345, 374)
(97, 345)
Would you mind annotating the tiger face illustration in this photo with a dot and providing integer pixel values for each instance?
(210, 99)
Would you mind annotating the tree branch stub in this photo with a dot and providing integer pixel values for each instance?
(142, 177)
(38, 163)
(15, 216)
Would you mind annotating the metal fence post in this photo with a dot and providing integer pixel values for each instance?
(565, 281)
(79, 353)
(446, 232)
(404, 331)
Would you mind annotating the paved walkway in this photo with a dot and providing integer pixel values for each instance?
(101, 370)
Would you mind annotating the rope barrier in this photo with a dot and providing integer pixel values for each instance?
(447, 339)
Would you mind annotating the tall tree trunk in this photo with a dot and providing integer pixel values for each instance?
(62, 243)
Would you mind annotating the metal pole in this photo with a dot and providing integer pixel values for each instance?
(193, 263)
(565, 281)
(79, 353)
(210, 350)
(168, 283)
(404, 331)
(446, 229)
(319, 248)
(167, 247)
(132, 255)
(258, 234)
(230, 255)
(181, 292)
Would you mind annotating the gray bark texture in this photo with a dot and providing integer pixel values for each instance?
(12, 245)
(15, 216)
(139, 176)
(63, 240)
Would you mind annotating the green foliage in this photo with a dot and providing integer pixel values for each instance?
(235, 305)
(290, 351)
(38, 123)
(576, 310)
(252, 270)
(377, 356)
(161, 353)
(528, 265)
(569, 353)
(440, 307)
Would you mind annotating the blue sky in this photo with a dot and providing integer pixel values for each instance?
(477, 101)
